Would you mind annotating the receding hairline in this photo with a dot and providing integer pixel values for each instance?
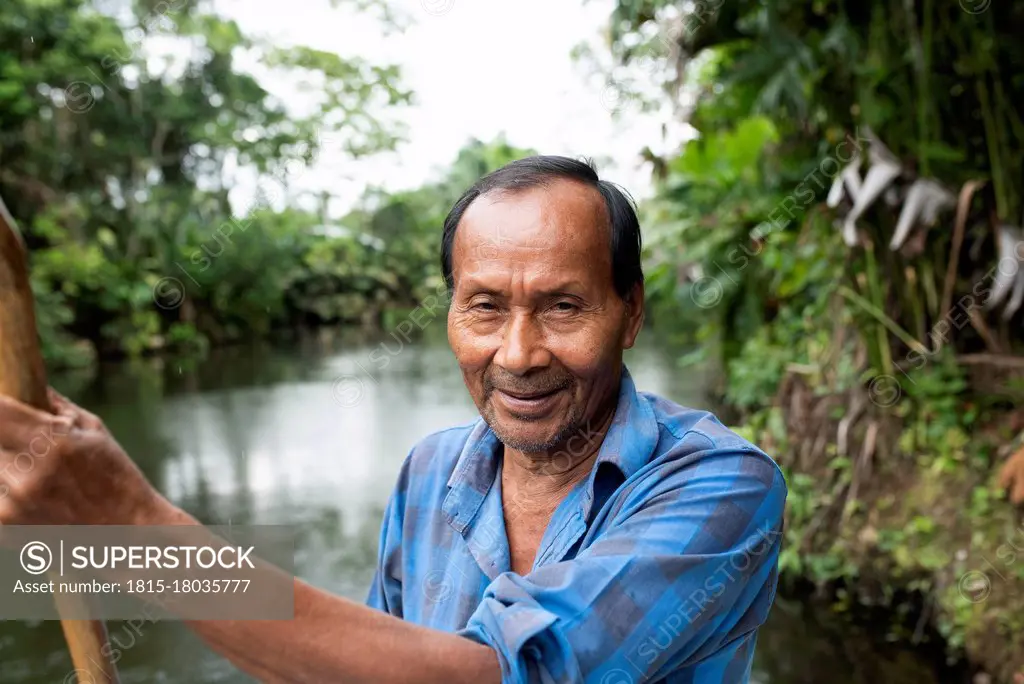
(543, 172)
(499, 194)
(576, 231)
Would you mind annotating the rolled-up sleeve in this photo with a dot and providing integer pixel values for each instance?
(682, 578)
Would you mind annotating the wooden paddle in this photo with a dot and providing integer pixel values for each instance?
(23, 377)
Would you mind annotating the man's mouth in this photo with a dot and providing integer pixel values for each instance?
(529, 404)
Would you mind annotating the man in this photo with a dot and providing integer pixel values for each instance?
(580, 531)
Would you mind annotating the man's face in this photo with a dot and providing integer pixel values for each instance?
(535, 322)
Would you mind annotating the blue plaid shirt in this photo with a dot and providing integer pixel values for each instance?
(659, 567)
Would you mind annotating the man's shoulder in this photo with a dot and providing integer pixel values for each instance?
(697, 437)
(691, 424)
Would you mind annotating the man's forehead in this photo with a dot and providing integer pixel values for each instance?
(562, 215)
(533, 244)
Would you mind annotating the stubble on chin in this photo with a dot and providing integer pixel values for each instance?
(514, 438)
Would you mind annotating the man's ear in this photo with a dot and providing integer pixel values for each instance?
(634, 315)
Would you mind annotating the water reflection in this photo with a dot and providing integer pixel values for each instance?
(262, 435)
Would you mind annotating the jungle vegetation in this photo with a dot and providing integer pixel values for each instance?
(843, 238)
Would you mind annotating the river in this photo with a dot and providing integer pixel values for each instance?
(310, 433)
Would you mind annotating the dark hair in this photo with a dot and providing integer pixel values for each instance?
(531, 172)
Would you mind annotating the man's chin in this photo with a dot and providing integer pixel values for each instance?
(529, 436)
(526, 445)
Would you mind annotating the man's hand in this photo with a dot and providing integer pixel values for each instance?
(67, 469)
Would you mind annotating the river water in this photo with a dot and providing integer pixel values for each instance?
(312, 434)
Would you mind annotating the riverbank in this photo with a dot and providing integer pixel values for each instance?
(840, 642)
(893, 506)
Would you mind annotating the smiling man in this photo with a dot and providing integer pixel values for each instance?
(579, 531)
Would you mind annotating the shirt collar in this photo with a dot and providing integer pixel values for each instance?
(633, 434)
(628, 445)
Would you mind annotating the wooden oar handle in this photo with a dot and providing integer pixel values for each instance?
(22, 374)
(23, 377)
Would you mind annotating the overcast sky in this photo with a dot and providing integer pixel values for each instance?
(478, 68)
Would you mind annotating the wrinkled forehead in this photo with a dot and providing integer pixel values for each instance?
(562, 226)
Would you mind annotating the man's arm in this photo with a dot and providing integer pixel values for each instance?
(682, 576)
(332, 639)
(80, 475)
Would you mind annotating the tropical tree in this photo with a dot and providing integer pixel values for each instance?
(117, 136)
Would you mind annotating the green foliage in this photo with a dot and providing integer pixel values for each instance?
(737, 233)
(745, 259)
(408, 224)
(938, 429)
(117, 169)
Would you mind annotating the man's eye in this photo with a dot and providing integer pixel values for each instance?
(486, 307)
(566, 307)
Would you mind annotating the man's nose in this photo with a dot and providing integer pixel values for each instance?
(522, 347)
